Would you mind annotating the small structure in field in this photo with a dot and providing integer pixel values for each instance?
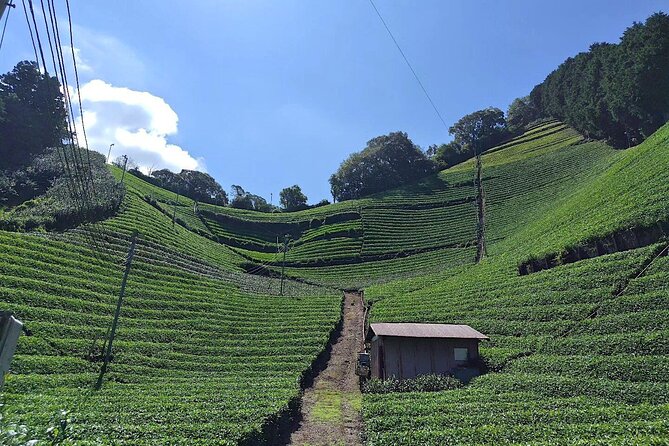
(10, 329)
(404, 350)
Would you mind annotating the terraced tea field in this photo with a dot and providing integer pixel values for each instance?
(579, 354)
(203, 355)
(207, 353)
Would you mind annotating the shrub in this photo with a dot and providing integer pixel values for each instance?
(423, 383)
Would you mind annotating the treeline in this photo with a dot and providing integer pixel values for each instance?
(202, 187)
(392, 160)
(618, 92)
(197, 185)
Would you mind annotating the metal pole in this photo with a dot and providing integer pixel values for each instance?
(174, 213)
(117, 313)
(125, 163)
(109, 153)
(283, 264)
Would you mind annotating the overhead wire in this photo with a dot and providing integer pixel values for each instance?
(77, 179)
(74, 140)
(63, 160)
(406, 59)
(84, 172)
(76, 80)
(4, 27)
(30, 30)
(57, 67)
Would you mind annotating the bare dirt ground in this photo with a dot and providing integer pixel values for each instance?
(331, 407)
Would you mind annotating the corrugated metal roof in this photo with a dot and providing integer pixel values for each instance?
(409, 330)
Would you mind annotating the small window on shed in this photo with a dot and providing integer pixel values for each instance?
(461, 354)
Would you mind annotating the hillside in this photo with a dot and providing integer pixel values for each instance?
(208, 352)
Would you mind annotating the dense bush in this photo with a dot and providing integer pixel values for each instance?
(423, 383)
(43, 195)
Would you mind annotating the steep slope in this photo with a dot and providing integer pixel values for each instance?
(204, 354)
(207, 353)
(426, 227)
(581, 349)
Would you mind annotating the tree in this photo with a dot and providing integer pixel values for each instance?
(638, 87)
(387, 161)
(618, 92)
(123, 161)
(203, 187)
(522, 112)
(292, 198)
(32, 115)
(242, 199)
(480, 130)
(448, 155)
(167, 179)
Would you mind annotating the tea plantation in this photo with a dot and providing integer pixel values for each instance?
(208, 351)
(579, 354)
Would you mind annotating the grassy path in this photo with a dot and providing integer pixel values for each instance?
(331, 407)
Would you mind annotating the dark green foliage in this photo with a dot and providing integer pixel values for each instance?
(423, 383)
(292, 198)
(450, 154)
(245, 200)
(618, 92)
(201, 186)
(198, 186)
(388, 161)
(473, 133)
(40, 195)
(32, 114)
(521, 113)
(480, 130)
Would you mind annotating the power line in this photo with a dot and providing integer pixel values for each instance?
(427, 95)
(4, 27)
(30, 30)
(76, 79)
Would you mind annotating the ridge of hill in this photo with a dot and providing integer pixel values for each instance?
(207, 353)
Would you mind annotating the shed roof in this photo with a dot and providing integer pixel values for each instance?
(409, 330)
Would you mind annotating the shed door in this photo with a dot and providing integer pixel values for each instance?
(382, 363)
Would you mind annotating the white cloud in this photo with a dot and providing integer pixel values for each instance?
(137, 123)
(82, 65)
(108, 57)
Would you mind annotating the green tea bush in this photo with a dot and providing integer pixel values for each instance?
(423, 383)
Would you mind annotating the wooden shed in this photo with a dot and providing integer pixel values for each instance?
(404, 350)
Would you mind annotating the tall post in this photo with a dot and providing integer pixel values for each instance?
(283, 263)
(125, 164)
(3, 6)
(110, 147)
(117, 313)
(480, 205)
(174, 213)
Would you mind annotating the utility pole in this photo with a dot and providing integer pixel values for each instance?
(283, 263)
(481, 250)
(117, 313)
(109, 153)
(174, 213)
(3, 6)
(125, 163)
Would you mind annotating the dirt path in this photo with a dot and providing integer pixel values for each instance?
(331, 407)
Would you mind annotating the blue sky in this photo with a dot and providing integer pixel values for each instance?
(266, 94)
